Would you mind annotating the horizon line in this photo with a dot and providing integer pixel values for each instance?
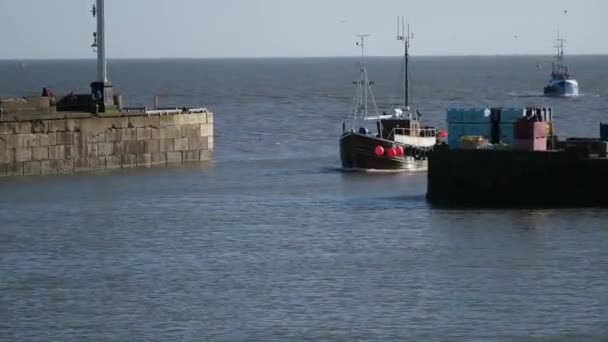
(297, 57)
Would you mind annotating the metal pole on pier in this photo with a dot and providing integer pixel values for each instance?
(101, 89)
(102, 74)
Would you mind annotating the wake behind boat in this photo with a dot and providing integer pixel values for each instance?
(561, 83)
(399, 141)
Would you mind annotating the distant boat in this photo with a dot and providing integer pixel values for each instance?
(561, 83)
(21, 65)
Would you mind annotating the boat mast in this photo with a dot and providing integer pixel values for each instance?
(562, 40)
(364, 90)
(559, 69)
(364, 72)
(405, 36)
(560, 46)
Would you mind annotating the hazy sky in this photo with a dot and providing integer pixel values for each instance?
(291, 28)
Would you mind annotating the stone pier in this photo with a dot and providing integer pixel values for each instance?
(62, 142)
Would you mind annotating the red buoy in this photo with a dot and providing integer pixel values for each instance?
(391, 152)
(379, 150)
(399, 151)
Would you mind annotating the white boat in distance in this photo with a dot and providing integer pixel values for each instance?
(561, 83)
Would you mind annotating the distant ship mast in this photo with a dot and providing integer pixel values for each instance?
(559, 69)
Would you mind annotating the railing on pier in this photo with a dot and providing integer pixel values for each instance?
(164, 111)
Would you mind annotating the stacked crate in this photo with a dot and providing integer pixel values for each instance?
(523, 128)
(468, 122)
(531, 135)
(508, 118)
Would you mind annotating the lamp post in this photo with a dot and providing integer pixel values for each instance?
(103, 94)
(102, 75)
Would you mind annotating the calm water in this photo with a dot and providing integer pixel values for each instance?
(271, 242)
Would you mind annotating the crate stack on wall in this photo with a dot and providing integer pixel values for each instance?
(468, 122)
(497, 125)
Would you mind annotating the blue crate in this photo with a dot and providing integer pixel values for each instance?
(603, 131)
(455, 131)
(478, 129)
(511, 115)
(454, 115)
(507, 133)
(458, 130)
(477, 115)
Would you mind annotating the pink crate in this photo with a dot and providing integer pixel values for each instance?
(531, 144)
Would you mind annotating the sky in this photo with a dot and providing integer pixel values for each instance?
(50, 29)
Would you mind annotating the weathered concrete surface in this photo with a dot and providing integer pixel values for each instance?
(70, 142)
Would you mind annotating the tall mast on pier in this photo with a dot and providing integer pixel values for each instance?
(102, 74)
(103, 94)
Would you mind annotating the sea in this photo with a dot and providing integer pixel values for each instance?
(271, 241)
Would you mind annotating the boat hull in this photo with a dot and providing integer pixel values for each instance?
(562, 88)
(357, 152)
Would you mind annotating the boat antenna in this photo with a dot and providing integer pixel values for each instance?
(362, 44)
(405, 37)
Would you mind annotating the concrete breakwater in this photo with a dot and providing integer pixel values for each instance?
(570, 177)
(71, 142)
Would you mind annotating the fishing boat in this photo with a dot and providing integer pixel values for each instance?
(561, 83)
(397, 141)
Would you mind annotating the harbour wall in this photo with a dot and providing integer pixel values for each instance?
(72, 142)
(516, 178)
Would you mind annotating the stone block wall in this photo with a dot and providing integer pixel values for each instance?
(75, 143)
